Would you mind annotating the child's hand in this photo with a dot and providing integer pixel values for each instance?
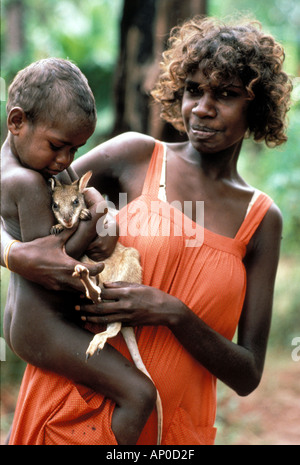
(92, 197)
(104, 244)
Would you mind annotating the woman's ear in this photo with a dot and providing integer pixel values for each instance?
(15, 120)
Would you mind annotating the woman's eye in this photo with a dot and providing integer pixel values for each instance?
(227, 93)
(193, 89)
(190, 90)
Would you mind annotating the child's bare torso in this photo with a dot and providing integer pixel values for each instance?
(22, 190)
(17, 203)
(11, 170)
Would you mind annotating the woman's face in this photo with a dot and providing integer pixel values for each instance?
(215, 118)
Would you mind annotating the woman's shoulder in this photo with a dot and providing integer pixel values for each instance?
(269, 232)
(272, 219)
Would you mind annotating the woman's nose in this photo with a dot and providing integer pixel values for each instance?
(205, 106)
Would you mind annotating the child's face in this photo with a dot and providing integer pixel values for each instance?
(50, 149)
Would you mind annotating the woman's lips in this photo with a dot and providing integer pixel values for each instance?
(203, 132)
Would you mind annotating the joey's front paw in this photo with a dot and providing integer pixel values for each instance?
(85, 214)
(56, 229)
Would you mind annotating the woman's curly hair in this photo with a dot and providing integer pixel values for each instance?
(224, 52)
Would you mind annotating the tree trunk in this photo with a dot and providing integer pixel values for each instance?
(14, 46)
(170, 14)
(15, 38)
(145, 28)
(136, 52)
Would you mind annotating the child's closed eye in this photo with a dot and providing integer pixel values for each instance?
(54, 147)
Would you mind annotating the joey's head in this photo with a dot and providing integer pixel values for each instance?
(68, 200)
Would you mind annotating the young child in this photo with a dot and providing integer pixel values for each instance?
(51, 113)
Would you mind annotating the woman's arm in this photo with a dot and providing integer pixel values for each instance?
(118, 165)
(238, 365)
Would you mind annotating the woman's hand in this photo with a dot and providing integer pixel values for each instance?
(134, 305)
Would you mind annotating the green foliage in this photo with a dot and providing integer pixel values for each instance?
(280, 18)
(84, 32)
(277, 172)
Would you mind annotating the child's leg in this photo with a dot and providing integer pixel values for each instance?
(42, 336)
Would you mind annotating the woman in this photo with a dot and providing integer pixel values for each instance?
(218, 84)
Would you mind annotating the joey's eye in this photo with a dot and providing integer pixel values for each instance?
(75, 201)
(55, 206)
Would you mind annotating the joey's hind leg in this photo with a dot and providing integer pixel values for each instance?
(92, 291)
(100, 339)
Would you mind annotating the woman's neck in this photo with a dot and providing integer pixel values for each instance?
(215, 165)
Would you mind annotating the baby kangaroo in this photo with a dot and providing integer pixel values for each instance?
(69, 207)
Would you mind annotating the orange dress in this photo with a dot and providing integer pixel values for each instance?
(203, 269)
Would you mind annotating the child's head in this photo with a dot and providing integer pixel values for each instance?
(51, 113)
(50, 89)
(224, 53)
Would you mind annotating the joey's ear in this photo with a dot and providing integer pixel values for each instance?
(84, 180)
(16, 119)
(54, 183)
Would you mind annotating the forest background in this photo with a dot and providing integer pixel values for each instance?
(117, 44)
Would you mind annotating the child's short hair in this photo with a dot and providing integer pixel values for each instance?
(49, 87)
(223, 52)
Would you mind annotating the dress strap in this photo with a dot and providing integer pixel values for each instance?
(257, 209)
(255, 196)
(156, 172)
(162, 192)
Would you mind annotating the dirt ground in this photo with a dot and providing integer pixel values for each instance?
(269, 416)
